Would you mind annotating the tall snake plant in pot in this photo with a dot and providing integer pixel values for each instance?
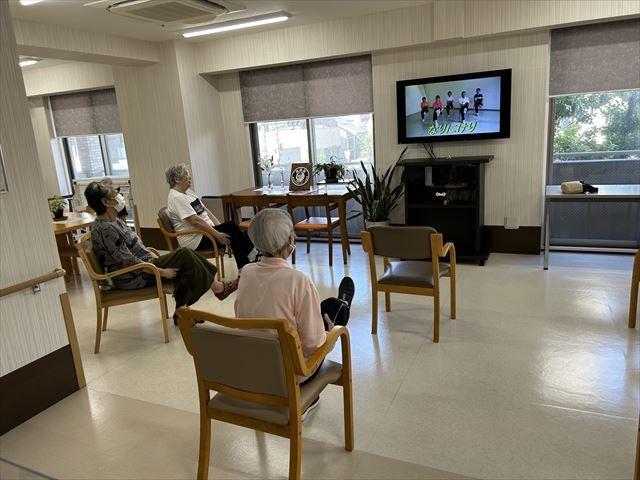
(377, 193)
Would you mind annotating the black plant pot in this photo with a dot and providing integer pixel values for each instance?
(331, 175)
(58, 214)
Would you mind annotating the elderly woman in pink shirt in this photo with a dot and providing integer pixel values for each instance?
(272, 289)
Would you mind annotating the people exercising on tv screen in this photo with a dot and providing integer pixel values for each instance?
(424, 108)
(437, 109)
(464, 105)
(450, 100)
(477, 100)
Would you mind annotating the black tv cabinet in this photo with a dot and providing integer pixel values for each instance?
(448, 194)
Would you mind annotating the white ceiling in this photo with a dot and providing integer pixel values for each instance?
(73, 13)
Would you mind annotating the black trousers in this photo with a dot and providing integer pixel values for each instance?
(240, 242)
(423, 112)
(463, 109)
(338, 311)
(476, 106)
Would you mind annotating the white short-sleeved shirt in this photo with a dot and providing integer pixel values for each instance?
(180, 207)
(463, 101)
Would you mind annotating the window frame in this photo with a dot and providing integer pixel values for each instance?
(255, 142)
(106, 163)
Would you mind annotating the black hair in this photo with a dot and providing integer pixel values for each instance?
(437, 97)
(424, 98)
(463, 92)
(449, 93)
(477, 89)
(94, 193)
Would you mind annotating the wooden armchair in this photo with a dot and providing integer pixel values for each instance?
(256, 377)
(419, 273)
(310, 224)
(114, 297)
(257, 202)
(171, 237)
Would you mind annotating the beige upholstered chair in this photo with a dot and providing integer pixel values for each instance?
(310, 224)
(171, 237)
(635, 284)
(256, 377)
(419, 271)
(111, 298)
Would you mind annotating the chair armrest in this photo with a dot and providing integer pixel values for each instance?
(316, 359)
(195, 232)
(131, 268)
(154, 251)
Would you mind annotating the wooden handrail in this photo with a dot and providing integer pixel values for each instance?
(57, 273)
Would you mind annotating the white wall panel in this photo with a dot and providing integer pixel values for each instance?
(31, 326)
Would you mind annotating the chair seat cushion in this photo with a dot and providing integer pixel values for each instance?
(329, 372)
(117, 296)
(316, 223)
(411, 273)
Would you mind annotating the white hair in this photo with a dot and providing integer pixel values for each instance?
(174, 172)
(270, 231)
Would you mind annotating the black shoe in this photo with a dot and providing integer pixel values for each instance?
(346, 290)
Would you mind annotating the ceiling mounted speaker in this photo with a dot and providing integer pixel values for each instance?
(174, 14)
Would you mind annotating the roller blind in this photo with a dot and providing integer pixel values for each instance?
(595, 58)
(85, 113)
(316, 89)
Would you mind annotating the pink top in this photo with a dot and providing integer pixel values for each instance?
(437, 105)
(272, 289)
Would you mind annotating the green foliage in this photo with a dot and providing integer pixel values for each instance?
(376, 193)
(332, 169)
(597, 122)
(57, 204)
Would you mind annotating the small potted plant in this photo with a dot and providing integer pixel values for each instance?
(333, 171)
(377, 194)
(57, 206)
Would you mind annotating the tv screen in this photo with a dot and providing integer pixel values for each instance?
(471, 106)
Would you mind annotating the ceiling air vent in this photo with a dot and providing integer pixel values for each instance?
(174, 13)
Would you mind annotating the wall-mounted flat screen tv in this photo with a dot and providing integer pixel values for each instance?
(471, 106)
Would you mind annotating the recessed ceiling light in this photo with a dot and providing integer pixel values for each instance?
(26, 3)
(236, 25)
(28, 62)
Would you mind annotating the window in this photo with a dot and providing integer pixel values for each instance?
(96, 156)
(287, 141)
(596, 138)
(348, 138)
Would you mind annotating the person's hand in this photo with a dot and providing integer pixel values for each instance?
(168, 272)
(223, 238)
(328, 321)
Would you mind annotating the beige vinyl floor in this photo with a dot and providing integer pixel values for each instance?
(537, 378)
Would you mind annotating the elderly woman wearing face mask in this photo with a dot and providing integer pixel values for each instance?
(117, 247)
(272, 289)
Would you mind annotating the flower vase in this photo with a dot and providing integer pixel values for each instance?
(269, 184)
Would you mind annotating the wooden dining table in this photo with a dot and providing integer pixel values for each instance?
(336, 193)
(63, 230)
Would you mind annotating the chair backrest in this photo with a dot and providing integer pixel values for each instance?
(306, 200)
(164, 221)
(410, 243)
(88, 256)
(237, 355)
(257, 202)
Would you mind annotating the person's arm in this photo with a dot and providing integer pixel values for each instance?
(212, 217)
(200, 224)
(309, 319)
(117, 249)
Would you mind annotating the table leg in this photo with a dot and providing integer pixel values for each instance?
(342, 213)
(547, 234)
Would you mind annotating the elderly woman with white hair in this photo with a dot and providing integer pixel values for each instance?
(272, 289)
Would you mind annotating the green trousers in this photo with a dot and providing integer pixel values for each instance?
(194, 277)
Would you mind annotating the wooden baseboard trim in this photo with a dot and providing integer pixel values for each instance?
(522, 240)
(29, 390)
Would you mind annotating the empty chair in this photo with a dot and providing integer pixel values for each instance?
(111, 298)
(171, 237)
(419, 271)
(256, 376)
(257, 202)
(311, 224)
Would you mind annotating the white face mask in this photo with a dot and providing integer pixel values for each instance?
(120, 203)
